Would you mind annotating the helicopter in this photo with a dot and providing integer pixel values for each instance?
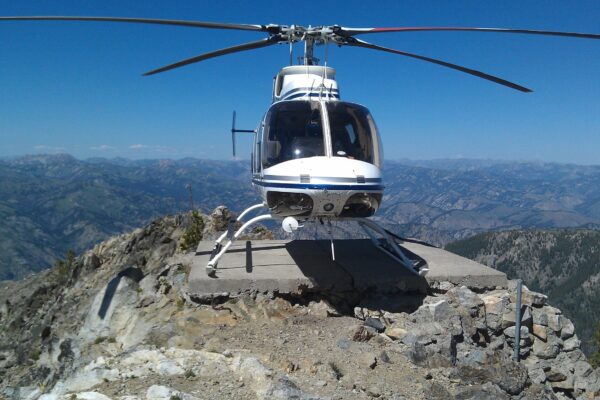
(315, 157)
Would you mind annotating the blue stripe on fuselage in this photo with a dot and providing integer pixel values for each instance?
(297, 95)
(316, 186)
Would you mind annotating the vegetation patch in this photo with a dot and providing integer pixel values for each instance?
(193, 234)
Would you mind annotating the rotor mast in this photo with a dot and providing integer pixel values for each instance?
(309, 43)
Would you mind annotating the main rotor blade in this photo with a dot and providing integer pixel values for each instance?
(360, 31)
(495, 79)
(194, 24)
(234, 49)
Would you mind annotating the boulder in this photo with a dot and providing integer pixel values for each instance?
(582, 369)
(536, 374)
(368, 360)
(555, 376)
(495, 305)
(509, 317)
(284, 389)
(441, 310)
(589, 383)
(427, 356)
(539, 331)
(159, 392)
(538, 392)
(375, 323)
(511, 332)
(487, 391)
(396, 332)
(529, 297)
(542, 316)
(497, 342)
(474, 357)
(526, 317)
(466, 298)
(548, 349)
(436, 391)
(555, 322)
(322, 309)
(361, 333)
(567, 328)
(219, 219)
(572, 343)
(566, 384)
(364, 312)
(509, 375)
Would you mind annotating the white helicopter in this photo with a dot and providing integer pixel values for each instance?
(314, 156)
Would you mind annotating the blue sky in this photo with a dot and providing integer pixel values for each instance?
(77, 87)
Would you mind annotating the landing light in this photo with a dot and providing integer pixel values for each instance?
(289, 224)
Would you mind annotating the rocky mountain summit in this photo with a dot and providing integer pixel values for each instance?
(118, 323)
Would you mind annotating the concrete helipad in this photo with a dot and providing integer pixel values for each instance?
(306, 265)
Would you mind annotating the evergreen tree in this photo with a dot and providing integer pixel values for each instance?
(193, 235)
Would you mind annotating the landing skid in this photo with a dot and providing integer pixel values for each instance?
(219, 250)
(385, 243)
(388, 245)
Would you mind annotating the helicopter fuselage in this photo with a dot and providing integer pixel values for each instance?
(315, 155)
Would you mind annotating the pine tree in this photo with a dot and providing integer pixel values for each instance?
(193, 235)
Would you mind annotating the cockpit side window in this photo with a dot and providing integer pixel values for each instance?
(353, 133)
(293, 129)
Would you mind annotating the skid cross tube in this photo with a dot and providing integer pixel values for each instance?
(239, 219)
(394, 250)
(219, 250)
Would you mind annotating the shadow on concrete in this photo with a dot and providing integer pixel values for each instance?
(248, 256)
(360, 275)
(132, 273)
(358, 265)
(232, 251)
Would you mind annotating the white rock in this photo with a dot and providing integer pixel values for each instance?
(29, 392)
(49, 396)
(254, 374)
(568, 329)
(92, 396)
(572, 343)
(169, 367)
(555, 322)
(158, 392)
(440, 310)
(494, 304)
(87, 377)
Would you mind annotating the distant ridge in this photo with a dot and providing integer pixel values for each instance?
(52, 203)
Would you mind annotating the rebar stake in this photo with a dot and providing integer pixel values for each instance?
(518, 322)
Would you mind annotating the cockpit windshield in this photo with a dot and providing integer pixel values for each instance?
(353, 133)
(293, 129)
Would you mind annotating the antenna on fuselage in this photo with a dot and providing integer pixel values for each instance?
(234, 131)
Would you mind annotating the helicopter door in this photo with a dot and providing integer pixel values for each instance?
(292, 130)
(255, 160)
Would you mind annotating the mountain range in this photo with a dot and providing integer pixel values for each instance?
(52, 203)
